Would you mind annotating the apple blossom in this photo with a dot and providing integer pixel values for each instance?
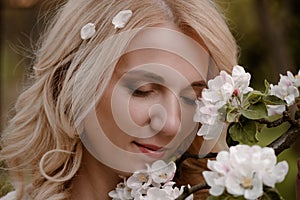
(219, 89)
(153, 183)
(286, 90)
(162, 172)
(275, 109)
(294, 79)
(139, 179)
(241, 80)
(244, 170)
(157, 194)
(223, 89)
(122, 192)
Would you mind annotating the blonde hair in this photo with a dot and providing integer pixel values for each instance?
(41, 144)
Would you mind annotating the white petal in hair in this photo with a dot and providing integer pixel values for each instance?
(87, 31)
(121, 19)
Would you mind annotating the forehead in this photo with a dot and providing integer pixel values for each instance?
(166, 45)
(162, 63)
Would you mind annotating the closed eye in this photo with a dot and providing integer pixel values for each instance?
(141, 93)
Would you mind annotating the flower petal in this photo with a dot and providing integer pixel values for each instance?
(87, 31)
(122, 18)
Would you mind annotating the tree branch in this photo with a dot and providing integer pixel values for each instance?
(270, 124)
(188, 191)
(286, 140)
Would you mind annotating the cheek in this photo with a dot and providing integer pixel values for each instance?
(139, 111)
(188, 123)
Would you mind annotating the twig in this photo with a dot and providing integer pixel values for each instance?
(286, 140)
(285, 118)
(187, 155)
(271, 124)
(188, 191)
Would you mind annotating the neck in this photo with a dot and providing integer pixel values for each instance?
(94, 180)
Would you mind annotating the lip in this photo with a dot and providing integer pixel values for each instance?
(151, 150)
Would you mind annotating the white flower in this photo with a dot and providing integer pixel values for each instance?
(219, 89)
(210, 132)
(158, 194)
(216, 178)
(223, 89)
(243, 176)
(87, 31)
(215, 181)
(241, 80)
(285, 90)
(161, 172)
(139, 180)
(121, 19)
(269, 172)
(275, 109)
(122, 192)
(206, 114)
(150, 184)
(248, 185)
(244, 170)
(176, 192)
(294, 79)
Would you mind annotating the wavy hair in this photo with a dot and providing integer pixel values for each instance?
(41, 145)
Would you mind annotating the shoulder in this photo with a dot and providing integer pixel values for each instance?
(9, 196)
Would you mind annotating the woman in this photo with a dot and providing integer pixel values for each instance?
(118, 96)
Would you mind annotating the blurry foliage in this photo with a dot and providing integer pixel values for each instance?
(268, 35)
(267, 31)
(5, 186)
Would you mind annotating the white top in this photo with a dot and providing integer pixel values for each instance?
(9, 196)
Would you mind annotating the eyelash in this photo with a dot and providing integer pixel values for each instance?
(147, 92)
(141, 93)
(136, 92)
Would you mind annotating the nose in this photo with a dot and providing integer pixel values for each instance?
(165, 117)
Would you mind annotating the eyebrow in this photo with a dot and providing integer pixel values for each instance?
(160, 79)
(146, 74)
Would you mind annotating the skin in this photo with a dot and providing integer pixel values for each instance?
(145, 113)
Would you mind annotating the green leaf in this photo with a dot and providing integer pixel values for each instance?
(232, 115)
(256, 111)
(273, 100)
(267, 86)
(230, 142)
(271, 194)
(244, 131)
(252, 98)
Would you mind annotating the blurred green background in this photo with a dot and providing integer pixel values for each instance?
(267, 31)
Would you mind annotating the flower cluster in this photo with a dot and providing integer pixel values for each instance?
(154, 183)
(287, 89)
(223, 89)
(244, 170)
(229, 99)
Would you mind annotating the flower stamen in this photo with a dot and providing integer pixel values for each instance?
(247, 183)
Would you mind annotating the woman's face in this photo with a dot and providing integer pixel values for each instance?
(146, 111)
